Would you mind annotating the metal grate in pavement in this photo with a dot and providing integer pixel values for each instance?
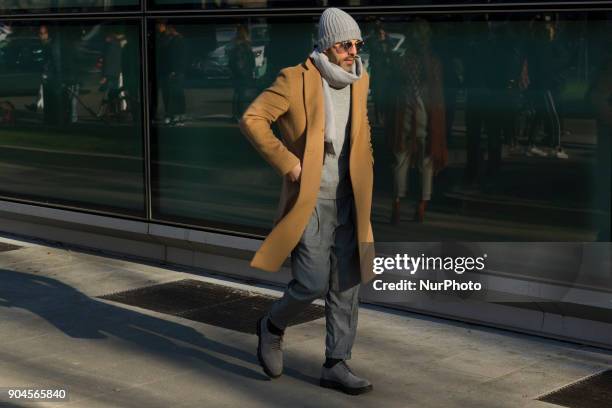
(209, 303)
(8, 247)
(591, 392)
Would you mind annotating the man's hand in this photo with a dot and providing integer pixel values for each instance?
(295, 173)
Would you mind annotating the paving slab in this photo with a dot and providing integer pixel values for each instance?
(55, 331)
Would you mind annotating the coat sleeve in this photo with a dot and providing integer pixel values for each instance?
(257, 121)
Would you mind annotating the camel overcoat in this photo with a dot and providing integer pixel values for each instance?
(295, 102)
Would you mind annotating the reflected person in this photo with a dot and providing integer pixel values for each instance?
(131, 76)
(416, 130)
(52, 93)
(380, 47)
(547, 61)
(480, 66)
(71, 80)
(162, 62)
(242, 65)
(320, 107)
(503, 80)
(48, 92)
(112, 78)
(177, 62)
(43, 35)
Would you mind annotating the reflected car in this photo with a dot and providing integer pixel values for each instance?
(21, 62)
(5, 31)
(215, 66)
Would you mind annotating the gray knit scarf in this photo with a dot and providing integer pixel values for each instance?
(335, 76)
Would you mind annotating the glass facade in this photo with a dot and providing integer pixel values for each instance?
(522, 112)
(528, 158)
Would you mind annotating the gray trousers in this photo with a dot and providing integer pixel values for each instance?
(401, 168)
(401, 172)
(325, 263)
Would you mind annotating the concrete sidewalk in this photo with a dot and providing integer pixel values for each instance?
(55, 333)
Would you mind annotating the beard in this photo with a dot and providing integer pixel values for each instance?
(341, 62)
(348, 67)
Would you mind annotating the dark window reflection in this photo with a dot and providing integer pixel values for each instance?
(70, 101)
(205, 75)
(486, 128)
(525, 158)
(45, 6)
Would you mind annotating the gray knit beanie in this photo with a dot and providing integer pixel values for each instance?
(335, 26)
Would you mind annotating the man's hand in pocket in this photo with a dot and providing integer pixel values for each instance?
(295, 173)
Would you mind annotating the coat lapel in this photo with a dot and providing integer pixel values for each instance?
(315, 109)
(355, 111)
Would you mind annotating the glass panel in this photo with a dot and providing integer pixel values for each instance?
(528, 158)
(46, 6)
(519, 105)
(203, 169)
(70, 123)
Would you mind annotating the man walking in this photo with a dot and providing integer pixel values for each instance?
(326, 160)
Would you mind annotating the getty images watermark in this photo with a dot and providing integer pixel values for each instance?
(403, 263)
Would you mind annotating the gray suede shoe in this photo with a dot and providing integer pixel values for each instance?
(340, 377)
(269, 349)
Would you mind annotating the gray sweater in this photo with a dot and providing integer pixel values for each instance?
(335, 179)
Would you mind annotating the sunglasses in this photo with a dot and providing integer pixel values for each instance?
(347, 45)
